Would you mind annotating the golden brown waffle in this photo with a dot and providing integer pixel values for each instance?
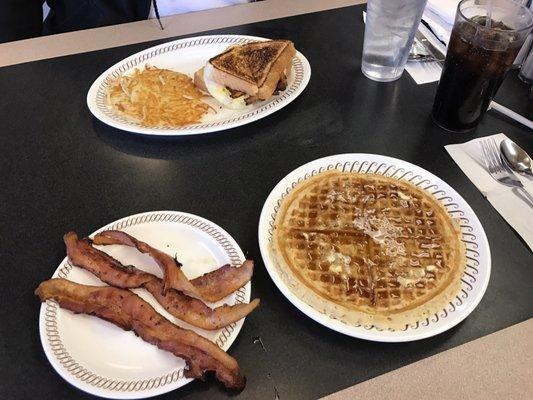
(382, 250)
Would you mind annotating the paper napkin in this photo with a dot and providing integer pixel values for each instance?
(439, 27)
(516, 210)
(445, 9)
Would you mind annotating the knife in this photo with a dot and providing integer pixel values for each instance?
(435, 52)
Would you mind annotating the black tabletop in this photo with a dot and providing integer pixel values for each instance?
(62, 169)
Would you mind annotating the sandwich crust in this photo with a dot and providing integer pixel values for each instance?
(253, 68)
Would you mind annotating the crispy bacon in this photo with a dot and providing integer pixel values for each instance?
(130, 312)
(82, 254)
(217, 284)
(212, 286)
(196, 312)
(193, 311)
(173, 277)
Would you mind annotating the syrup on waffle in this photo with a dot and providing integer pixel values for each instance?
(367, 248)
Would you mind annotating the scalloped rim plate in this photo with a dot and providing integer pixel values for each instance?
(473, 282)
(187, 56)
(102, 359)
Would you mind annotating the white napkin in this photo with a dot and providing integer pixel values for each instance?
(515, 210)
(445, 9)
(438, 26)
(440, 16)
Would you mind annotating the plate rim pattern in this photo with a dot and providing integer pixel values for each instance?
(388, 166)
(100, 84)
(50, 307)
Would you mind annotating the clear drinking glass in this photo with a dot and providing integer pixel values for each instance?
(389, 32)
(486, 37)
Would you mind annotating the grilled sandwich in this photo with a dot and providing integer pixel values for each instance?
(244, 74)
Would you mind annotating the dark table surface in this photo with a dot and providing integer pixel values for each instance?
(62, 169)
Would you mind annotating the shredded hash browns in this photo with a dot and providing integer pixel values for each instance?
(157, 97)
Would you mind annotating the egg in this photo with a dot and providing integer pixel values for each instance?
(221, 93)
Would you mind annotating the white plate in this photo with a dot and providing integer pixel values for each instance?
(187, 56)
(101, 358)
(477, 271)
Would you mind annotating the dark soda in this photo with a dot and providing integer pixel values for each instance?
(475, 66)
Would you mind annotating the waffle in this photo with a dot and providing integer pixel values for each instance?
(367, 248)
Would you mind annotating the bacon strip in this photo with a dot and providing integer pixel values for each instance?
(128, 311)
(181, 306)
(111, 271)
(217, 284)
(196, 312)
(173, 277)
(212, 286)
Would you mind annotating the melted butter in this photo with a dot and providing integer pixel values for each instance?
(344, 197)
(338, 263)
(413, 276)
(405, 282)
(403, 196)
(404, 203)
(336, 268)
(383, 232)
(430, 245)
(417, 273)
(422, 254)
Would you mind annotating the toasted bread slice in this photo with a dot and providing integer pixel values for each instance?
(254, 68)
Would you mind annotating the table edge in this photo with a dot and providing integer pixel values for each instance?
(83, 41)
(444, 372)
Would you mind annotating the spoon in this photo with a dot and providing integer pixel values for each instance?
(516, 157)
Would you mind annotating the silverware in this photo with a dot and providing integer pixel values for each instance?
(500, 171)
(420, 57)
(420, 53)
(516, 157)
(432, 50)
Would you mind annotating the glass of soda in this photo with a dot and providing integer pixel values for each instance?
(485, 40)
(390, 29)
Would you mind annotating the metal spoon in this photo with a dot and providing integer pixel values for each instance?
(516, 157)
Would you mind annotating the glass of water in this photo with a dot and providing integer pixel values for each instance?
(389, 33)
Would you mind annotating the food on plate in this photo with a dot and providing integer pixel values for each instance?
(173, 276)
(157, 98)
(217, 284)
(130, 312)
(82, 254)
(368, 249)
(247, 73)
(196, 312)
(212, 286)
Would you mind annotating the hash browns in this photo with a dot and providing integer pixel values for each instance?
(157, 97)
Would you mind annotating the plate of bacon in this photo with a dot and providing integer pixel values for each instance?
(146, 304)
